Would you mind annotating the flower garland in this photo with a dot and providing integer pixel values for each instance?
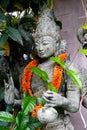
(56, 79)
(26, 78)
(58, 71)
(36, 108)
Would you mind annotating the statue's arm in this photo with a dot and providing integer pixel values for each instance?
(84, 90)
(70, 102)
(73, 97)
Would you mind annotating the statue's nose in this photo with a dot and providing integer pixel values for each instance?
(41, 47)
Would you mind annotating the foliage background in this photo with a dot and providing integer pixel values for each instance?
(18, 20)
(16, 36)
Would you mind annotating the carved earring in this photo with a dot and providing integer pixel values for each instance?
(57, 48)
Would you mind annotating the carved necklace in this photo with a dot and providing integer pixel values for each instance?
(56, 78)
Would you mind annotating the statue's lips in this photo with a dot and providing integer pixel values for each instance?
(41, 53)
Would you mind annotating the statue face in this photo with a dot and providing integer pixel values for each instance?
(45, 46)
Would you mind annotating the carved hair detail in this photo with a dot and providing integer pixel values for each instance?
(47, 26)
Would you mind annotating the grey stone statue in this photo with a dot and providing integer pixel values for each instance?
(82, 37)
(48, 42)
(11, 94)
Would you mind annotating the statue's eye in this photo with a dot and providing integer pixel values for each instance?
(45, 43)
(36, 44)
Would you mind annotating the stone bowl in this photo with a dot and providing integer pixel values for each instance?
(47, 114)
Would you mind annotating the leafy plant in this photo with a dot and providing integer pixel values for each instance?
(28, 104)
(5, 116)
(23, 119)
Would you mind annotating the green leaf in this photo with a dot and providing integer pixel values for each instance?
(34, 123)
(52, 88)
(2, 93)
(4, 3)
(27, 22)
(41, 101)
(3, 25)
(75, 77)
(22, 121)
(3, 127)
(28, 104)
(3, 39)
(84, 26)
(27, 128)
(59, 61)
(5, 116)
(2, 51)
(2, 16)
(41, 73)
(50, 4)
(84, 51)
(14, 34)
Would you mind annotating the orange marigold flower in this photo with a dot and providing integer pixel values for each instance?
(58, 71)
(63, 56)
(26, 78)
(36, 108)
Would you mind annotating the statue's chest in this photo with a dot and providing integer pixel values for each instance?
(37, 83)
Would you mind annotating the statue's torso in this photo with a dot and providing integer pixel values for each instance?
(39, 86)
(37, 83)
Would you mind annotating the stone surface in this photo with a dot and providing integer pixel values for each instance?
(71, 13)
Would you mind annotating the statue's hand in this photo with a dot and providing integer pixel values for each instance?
(9, 91)
(54, 99)
(11, 94)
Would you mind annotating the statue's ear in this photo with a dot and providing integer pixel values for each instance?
(6, 84)
(57, 44)
(57, 48)
(61, 46)
(11, 82)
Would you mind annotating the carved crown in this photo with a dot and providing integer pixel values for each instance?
(47, 26)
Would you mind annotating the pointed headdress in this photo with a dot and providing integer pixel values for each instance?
(46, 26)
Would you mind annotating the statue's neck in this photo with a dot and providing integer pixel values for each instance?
(45, 62)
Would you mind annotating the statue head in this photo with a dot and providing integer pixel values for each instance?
(47, 35)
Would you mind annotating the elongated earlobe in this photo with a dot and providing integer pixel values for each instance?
(57, 48)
